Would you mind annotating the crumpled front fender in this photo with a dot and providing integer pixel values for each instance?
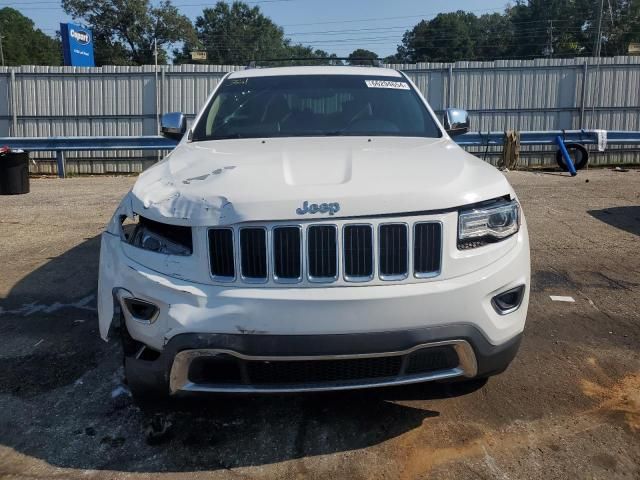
(106, 282)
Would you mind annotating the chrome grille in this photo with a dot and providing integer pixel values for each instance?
(358, 252)
(253, 253)
(319, 253)
(287, 258)
(221, 256)
(427, 249)
(394, 261)
(322, 253)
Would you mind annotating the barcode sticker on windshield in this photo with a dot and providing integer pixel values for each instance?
(387, 84)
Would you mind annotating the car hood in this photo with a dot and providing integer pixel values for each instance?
(229, 181)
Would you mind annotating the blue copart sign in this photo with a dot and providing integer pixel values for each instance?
(77, 45)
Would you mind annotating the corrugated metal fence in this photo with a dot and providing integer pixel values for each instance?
(541, 94)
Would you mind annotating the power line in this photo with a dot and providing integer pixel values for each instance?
(535, 27)
(221, 36)
(329, 32)
(372, 29)
(224, 33)
(360, 20)
(530, 31)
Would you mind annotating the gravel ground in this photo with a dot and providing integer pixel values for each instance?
(568, 407)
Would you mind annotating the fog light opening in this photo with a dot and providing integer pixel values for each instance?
(141, 310)
(509, 301)
(147, 354)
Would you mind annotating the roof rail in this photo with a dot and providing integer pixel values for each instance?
(306, 61)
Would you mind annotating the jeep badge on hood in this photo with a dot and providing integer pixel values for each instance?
(330, 208)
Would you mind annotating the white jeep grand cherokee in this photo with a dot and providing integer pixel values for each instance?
(315, 229)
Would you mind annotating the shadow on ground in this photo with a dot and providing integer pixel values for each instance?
(624, 218)
(48, 324)
(61, 396)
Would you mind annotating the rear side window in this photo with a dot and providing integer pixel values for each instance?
(315, 105)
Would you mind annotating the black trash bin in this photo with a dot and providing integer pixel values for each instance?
(14, 172)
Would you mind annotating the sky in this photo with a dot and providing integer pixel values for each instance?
(336, 26)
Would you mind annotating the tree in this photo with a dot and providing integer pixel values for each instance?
(550, 28)
(360, 56)
(620, 26)
(568, 28)
(394, 58)
(527, 29)
(493, 35)
(126, 31)
(236, 34)
(446, 38)
(306, 52)
(23, 44)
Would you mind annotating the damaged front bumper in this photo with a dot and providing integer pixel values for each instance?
(189, 307)
(262, 333)
(234, 363)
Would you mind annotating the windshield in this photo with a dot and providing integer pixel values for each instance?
(315, 105)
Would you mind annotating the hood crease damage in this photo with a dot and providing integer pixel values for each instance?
(198, 185)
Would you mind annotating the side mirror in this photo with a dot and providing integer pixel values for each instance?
(173, 125)
(456, 121)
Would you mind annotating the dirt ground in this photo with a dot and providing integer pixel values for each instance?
(568, 407)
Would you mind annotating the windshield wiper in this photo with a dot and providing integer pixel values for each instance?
(226, 137)
(335, 133)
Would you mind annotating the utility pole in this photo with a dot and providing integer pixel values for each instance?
(550, 45)
(155, 51)
(598, 42)
(1, 51)
(155, 70)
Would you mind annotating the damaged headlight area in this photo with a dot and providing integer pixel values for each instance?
(156, 236)
(479, 226)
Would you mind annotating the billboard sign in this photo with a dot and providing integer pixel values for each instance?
(77, 45)
(198, 55)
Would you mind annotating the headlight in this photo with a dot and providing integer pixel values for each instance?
(159, 237)
(483, 225)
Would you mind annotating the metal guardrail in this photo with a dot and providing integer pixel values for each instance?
(70, 144)
(548, 137)
(75, 144)
(156, 143)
